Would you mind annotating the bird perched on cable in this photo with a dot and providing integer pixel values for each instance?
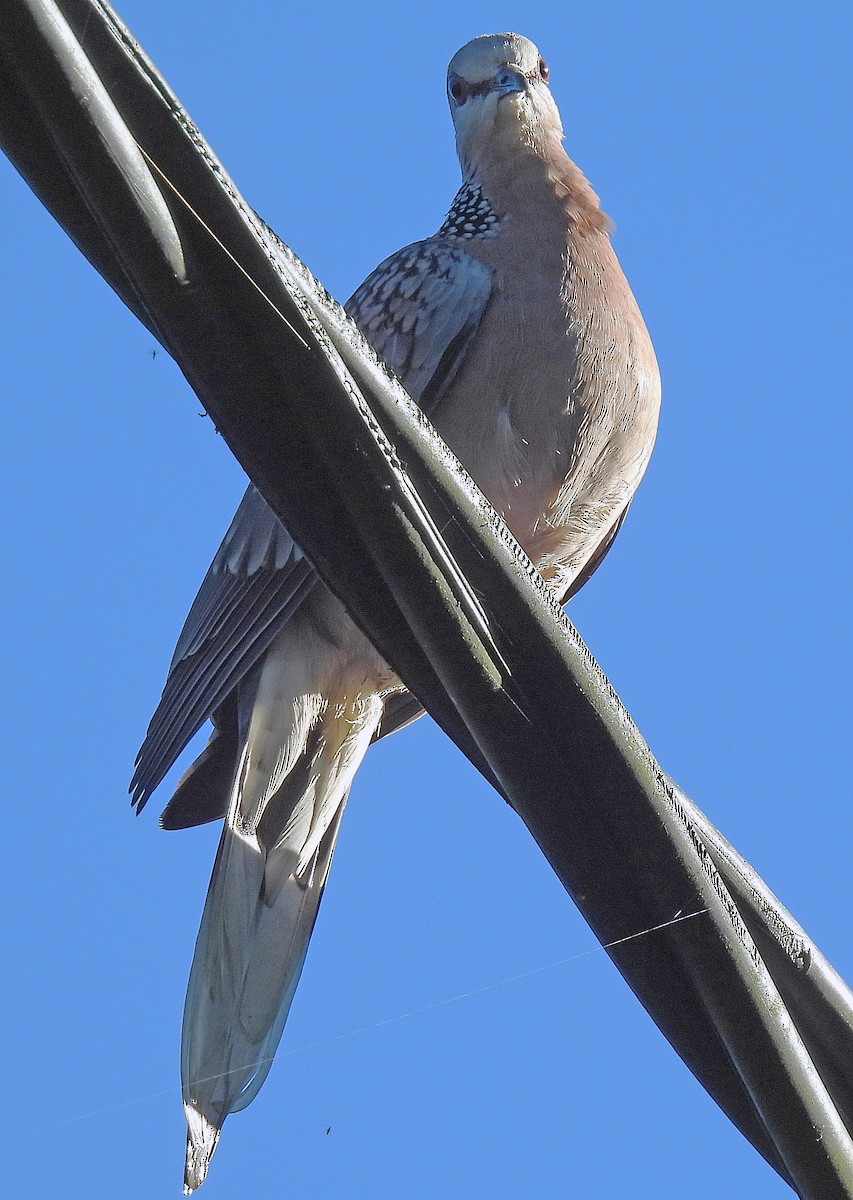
(514, 328)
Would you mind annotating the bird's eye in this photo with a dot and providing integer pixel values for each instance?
(458, 88)
(544, 70)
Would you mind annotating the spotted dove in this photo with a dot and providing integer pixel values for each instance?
(514, 328)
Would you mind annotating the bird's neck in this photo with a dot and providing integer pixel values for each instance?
(528, 178)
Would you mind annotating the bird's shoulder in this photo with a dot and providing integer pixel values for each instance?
(419, 310)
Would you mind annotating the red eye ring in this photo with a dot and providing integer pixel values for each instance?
(544, 70)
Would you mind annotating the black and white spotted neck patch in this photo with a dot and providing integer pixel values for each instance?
(470, 216)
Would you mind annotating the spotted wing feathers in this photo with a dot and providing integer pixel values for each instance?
(419, 309)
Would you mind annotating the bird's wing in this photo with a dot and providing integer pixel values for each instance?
(256, 581)
(419, 310)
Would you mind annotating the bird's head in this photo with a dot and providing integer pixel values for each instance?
(497, 88)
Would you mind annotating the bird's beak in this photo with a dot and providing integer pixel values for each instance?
(508, 80)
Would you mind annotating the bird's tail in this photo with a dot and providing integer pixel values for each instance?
(267, 882)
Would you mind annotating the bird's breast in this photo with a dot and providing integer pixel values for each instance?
(555, 408)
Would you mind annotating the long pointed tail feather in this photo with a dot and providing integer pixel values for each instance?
(264, 894)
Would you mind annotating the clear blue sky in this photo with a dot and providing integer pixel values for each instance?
(718, 138)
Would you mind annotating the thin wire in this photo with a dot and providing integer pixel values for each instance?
(221, 245)
(339, 1037)
(488, 987)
